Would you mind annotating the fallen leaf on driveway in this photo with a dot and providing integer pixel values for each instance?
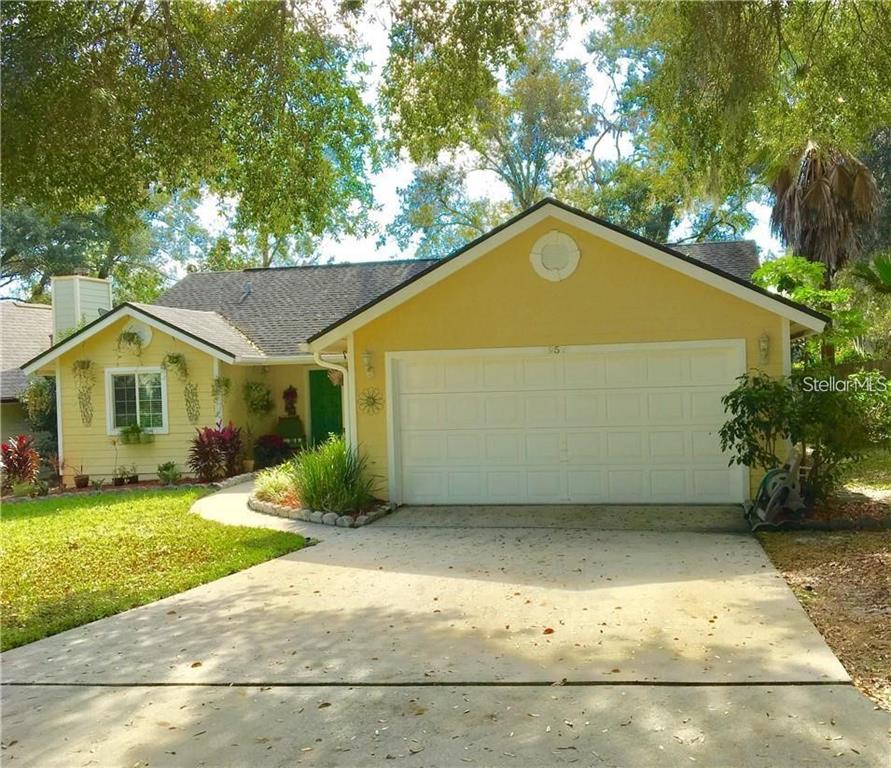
(548, 631)
(196, 664)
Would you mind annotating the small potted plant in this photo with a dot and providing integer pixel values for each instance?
(120, 475)
(97, 484)
(80, 479)
(168, 473)
(132, 476)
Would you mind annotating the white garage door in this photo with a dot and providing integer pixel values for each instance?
(631, 423)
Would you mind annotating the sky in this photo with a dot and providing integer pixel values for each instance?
(386, 184)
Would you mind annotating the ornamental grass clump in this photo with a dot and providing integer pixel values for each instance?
(277, 484)
(332, 477)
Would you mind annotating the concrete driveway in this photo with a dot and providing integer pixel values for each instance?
(458, 637)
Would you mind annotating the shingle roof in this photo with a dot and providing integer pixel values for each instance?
(25, 331)
(207, 326)
(738, 257)
(279, 308)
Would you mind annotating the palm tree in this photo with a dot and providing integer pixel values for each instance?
(822, 199)
(877, 274)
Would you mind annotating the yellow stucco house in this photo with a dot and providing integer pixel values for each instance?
(557, 359)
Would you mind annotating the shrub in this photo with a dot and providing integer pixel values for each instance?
(20, 461)
(270, 450)
(333, 477)
(831, 425)
(277, 484)
(214, 452)
(168, 473)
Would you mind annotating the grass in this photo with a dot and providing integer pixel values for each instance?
(843, 580)
(874, 471)
(65, 562)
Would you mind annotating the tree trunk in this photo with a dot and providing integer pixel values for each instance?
(827, 348)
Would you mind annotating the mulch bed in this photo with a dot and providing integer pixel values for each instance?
(843, 580)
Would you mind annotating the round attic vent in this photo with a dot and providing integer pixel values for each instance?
(554, 256)
(144, 331)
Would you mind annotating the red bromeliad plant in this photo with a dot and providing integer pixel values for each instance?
(290, 398)
(215, 451)
(20, 461)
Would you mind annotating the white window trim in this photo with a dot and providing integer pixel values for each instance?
(109, 398)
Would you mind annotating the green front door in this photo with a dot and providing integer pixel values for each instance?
(325, 414)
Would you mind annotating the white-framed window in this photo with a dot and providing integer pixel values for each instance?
(136, 396)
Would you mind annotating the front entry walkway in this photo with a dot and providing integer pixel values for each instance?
(496, 646)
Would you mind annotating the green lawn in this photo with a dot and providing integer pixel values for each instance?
(874, 471)
(68, 561)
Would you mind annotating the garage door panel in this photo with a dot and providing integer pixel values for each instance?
(542, 410)
(504, 448)
(420, 411)
(667, 369)
(585, 447)
(668, 407)
(622, 446)
(502, 410)
(543, 447)
(584, 371)
(585, 408)
(461, 409)
(463, 447)
(624, 408)
(598, 427)
(625, 369)
(669, 446)
(669, 484)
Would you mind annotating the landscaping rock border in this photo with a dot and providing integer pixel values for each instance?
(315, 516)
(217, 486)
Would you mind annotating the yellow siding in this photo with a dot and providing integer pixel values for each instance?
(91, 446)
(614, 296)
(278, 378)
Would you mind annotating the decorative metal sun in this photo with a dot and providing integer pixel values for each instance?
(370, 400)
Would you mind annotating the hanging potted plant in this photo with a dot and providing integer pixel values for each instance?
(130, 341)
(221, 387)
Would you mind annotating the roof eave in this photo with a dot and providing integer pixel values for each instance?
(798, 313)
(108, 319)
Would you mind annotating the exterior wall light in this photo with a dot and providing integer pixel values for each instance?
(367, 363)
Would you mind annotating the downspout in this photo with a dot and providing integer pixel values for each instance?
(344, 405)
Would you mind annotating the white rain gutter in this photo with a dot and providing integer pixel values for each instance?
(349, 427)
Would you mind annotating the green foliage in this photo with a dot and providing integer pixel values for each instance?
(330, 477)
(69, 561)
(257, 398)
(106, 103)
(805, 282)
(276, 484)
(833, 421)
(176, 361)
(734, 87)
(39, 399)
(168, 473)
(221, 387)
(762, 412)
(443, 65)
